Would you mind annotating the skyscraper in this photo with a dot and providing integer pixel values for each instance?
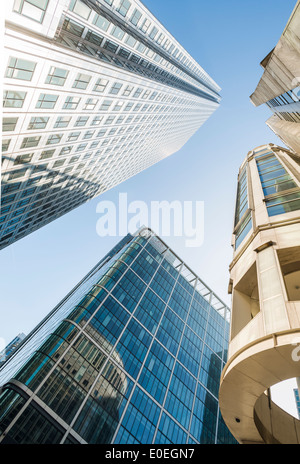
(279, 87)
(133, 354)
(11, 347)
(264, 283)
(94, 93)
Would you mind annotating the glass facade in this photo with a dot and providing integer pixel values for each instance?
(109, 102)
(282, 194)
(133, 355)
(243, 218)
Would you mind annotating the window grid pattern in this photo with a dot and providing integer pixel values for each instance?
(112, 379)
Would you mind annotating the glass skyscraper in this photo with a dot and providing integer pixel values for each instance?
(132, 355)
(94, 93)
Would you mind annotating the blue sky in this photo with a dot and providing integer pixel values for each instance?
(228, 39)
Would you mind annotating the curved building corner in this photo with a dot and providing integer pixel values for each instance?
(265, 288)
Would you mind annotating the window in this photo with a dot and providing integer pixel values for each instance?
(81, 81)
(37, 123)
(81, 121)
(117, 32)
(30, 142)
(136, 17)
(90, 104)
(13, 99)
(124, 7)
(71, 103)
(88, 134)
(128, 90)
(66, 150)
(46, 101)
(153, 32)
(62, 121)
(20, 69)
(137, 93)
(96, 121)
(9, 124)
(22, 159)
(94, 38)
(73, 136)
(105, 105)
(101, 22)
(17, 174)
(57, 76)
(73, 27)
(33, 9)
(100, 85)
(47, 154)
(115, 88)
(54, 138)
(145, 26)
(78, 7)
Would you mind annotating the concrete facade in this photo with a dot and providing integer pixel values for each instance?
(264, 283)
(279, 84)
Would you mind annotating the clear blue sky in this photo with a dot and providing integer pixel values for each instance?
(228, 39)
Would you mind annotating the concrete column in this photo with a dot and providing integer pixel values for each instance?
(271, 291)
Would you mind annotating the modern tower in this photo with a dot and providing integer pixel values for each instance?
(95, 91)
(10, 348)
(133, 354)
(264, 283)
(279, 87)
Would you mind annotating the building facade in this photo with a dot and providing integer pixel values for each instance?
(133, 354)
(279, 87)
(264, 283)
(9, 349)
(95, 91)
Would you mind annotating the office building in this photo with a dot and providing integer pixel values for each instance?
(11, 347)
(279, 86)
(133, 354)
(94, 93)
(264, 283)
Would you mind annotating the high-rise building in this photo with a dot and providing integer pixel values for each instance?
(133, 354)
(264, 283)
(11, 347)
(95, 91)
(279, 87)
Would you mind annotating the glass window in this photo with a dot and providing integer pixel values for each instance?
(20, 69)
(13, 99)
(101, 22)
(117, 32)
(80, 8)
(71, 103)
(9, 124)
(105, 105)
(22, 159)
(47, 154)
(30, 142)
(136, 17)
(90, 104)
(81, 81)
(100, 85)
(73, 27)
(124, 7)
(145, 26)
(81, 121)
(33, 9)
(37, 123)
(57, 76)
(115, 88)
(62, 121)
(54, 138)
(46, 101)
